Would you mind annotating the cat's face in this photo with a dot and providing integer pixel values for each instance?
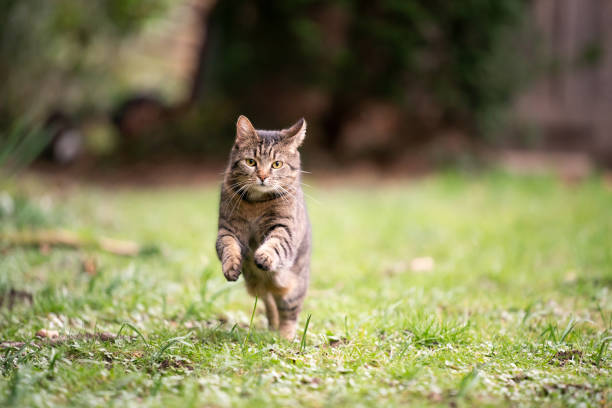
(264, 162)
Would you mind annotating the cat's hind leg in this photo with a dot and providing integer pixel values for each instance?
(288, 310)
(271, 311)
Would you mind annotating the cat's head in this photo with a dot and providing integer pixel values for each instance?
(264, 162)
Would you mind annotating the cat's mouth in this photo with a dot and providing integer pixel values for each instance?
(258, 190)
(262, 187)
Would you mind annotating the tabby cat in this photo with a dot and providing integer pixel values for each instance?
(264, 230)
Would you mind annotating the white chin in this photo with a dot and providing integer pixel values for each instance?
(258, 190)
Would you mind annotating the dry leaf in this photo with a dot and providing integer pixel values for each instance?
(49, 334)
(570, 277)
(422, 264)
(90, 265)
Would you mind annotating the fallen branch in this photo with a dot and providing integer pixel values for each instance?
(63, 238)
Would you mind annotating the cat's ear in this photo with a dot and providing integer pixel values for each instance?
(294, 136)
(245, 132)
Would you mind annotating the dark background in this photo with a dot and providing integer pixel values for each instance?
(395, 84)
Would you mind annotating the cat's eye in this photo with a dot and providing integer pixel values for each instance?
(277, 164)
(250, 162)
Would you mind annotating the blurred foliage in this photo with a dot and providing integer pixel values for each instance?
(18, 211)
(60, 53)
(20, 144)
(456, 52)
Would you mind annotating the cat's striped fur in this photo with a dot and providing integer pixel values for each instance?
(264, 230)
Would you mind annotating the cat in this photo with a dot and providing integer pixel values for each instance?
(264, 229)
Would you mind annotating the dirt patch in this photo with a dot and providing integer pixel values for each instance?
(176, 364)
(333, 342)
(311, 381)
(337, 341)
(520, 378)
(561, 388)
(563, 357)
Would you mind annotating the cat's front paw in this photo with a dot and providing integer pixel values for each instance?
(266, 259)
(231, 269)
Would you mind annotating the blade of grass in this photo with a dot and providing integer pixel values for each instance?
(171, 342)
(467, 382)
(157, 383)
(568, 329)
(34, 141)
(131, 326)
(250, 325)
(602, 349)
(346, 332)
(303, 342)
(404, 349)
(23, 144)
(13, 389)
(55, 355)
(11, 142)
(551, 330)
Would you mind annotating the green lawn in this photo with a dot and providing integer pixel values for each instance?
(516, 309)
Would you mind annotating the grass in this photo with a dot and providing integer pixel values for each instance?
(516, 310)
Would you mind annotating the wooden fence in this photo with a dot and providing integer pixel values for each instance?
(571, 101)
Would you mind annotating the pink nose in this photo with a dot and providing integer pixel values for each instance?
(262, 177)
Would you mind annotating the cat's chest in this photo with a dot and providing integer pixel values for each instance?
(255, 230)
(257, 227)
(259, 218)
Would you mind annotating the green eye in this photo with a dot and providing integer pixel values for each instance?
(277, 164)
(250, 162)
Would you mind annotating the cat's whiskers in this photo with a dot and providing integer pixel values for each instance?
(232, 187)
(312, 198)
(283, 192)
(286, 192)
(308, 195)
(236, 194)
(239, 183)
(293, 192)
(239, 196)
(279, 193)
(232, 200)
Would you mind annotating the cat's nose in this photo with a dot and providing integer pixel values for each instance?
(262, 177)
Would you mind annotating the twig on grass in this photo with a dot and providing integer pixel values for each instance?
(63, 238)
